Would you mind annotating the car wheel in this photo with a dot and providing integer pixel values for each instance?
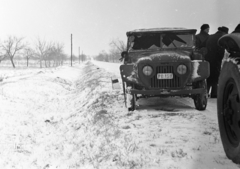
(228, 107)
(200, 100)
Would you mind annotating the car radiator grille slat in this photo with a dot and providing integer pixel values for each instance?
(165, 83)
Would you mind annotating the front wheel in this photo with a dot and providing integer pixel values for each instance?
(200, 100)
(228, 107)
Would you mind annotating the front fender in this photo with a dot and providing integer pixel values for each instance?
(200, 70)
(126, 73)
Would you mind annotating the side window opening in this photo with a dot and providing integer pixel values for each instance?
(145, 41)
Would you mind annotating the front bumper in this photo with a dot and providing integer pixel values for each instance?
(164, 92)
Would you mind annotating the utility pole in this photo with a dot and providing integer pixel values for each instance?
(79, 54)
(82, 56)
(71, 49)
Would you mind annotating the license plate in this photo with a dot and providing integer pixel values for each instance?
(164, 76)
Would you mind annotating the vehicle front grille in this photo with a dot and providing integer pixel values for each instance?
(165, 83)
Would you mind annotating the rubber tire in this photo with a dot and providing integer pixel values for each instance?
(200, 100)
(230, 71)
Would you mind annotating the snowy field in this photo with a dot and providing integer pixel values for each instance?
(71, 118)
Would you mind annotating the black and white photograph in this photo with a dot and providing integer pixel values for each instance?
(120, 84)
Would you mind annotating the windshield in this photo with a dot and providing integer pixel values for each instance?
(160, 41)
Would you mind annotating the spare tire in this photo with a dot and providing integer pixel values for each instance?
(228, 107)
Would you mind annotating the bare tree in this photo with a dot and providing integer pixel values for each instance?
(83, 57)
(103, 56)
(56, 53)
(117, 47)
(11, 47)
(42, 49)
(2, 56)
(118, 44)
(114, 54)
(28, 53)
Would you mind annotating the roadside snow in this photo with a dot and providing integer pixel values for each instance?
(70, 117)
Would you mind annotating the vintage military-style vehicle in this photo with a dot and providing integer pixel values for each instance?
(163, 62)
(228, 101)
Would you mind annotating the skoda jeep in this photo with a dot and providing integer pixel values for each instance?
(163, 62)
(228, 101)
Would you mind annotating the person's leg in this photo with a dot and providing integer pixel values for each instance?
(214, 90)
(215, 82)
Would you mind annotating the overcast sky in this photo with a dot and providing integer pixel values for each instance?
(94, 23)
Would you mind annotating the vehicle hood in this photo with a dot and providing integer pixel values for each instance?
(163, 56)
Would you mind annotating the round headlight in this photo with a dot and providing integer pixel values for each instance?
(147, 70)
(182, 69)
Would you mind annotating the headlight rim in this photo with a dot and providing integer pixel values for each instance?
(148, 75)
(179, 71)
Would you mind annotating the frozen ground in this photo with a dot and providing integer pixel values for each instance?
(70, 117)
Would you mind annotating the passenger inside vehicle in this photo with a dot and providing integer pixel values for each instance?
(156, 41)
(146, 41)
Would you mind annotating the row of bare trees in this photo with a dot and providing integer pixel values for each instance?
(50, 54)
(117, 46)
(47, 53)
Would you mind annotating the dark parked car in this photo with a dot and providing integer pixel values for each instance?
(228, 101)
(164, 62)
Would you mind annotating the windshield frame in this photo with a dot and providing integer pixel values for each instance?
(161, 34)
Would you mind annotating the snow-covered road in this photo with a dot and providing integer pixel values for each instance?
(70, 117)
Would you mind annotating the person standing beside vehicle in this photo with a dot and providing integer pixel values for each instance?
(237, 29)
(202, 36)
(214, 56)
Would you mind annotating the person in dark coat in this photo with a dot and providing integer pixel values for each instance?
(214, 56)
(202, 36)
(237, 29)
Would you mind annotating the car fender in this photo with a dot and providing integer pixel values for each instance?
(200, 70)
(127, 73)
